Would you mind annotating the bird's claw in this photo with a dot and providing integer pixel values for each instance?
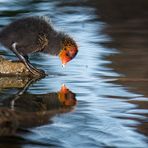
(38, 72)
(42, 72)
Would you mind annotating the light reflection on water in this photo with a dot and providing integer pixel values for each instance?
(106, 114)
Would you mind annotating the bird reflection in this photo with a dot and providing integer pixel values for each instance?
(25, 110)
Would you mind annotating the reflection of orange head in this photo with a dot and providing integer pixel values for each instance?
(69, 50)
(66, 97)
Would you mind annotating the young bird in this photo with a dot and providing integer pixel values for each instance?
(36, 34)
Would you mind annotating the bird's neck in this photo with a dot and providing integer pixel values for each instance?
(54, 43)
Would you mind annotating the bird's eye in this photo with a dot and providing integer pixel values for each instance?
(67, 54)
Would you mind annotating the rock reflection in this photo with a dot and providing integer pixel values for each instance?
(13, 82)
(25, 110)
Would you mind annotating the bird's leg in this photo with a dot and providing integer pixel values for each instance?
(31, 66)
(21, 92)
(17, 60)
(32, 69)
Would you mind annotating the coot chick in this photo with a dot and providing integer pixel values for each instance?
(36, 34)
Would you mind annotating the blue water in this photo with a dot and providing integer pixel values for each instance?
(110, 110)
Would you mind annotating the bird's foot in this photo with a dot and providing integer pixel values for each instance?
(38, 72)
(41, 72)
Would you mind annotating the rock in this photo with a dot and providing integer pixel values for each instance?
(10, 68)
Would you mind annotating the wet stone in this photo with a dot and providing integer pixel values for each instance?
(11, 68)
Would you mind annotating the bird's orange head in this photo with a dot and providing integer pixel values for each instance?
(66, 97)
(69, 50)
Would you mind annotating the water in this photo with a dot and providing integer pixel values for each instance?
(106, 82)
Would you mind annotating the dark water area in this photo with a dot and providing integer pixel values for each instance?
(104, 102)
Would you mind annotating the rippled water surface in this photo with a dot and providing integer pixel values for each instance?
(106, 84)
